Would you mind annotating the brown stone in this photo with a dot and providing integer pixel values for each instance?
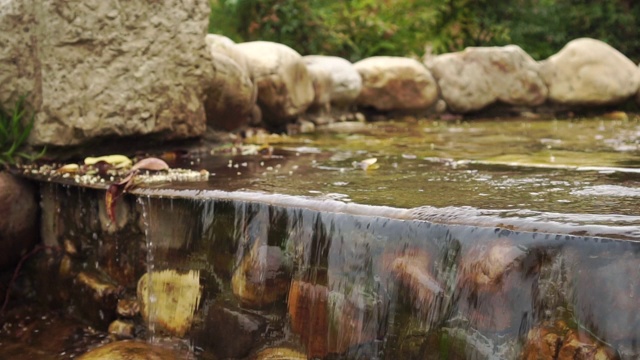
(308, 311)
(605, 292)
(132, 350)
(485, 264)
(121, 329)
(329, 322)
(168, 299)
(97, 297)
(557, 342)
(18, 218)
(231, 333)
(279, 353)
(412, 272)
(262, 277)
(542, 343)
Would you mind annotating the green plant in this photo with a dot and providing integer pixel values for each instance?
(15, 128)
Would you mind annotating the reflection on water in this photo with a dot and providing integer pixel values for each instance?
(355, 286)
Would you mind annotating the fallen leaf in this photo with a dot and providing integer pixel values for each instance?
(113, 193)
(151, 163)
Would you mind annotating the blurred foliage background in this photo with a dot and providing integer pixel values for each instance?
(356, 29)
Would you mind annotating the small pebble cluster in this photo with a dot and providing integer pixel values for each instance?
(93, 177)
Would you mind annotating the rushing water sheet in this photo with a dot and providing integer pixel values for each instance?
(360, 286)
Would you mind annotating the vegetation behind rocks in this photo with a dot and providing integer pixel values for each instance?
(363, 28)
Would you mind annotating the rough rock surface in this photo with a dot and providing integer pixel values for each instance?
(106, 68)
(322, 84)
(18, 218)
(18, 59)
(231, 95)
(133, 350)
(472, 79)
(396, 83)
(589, 72)
(285, 89)
(347, 82)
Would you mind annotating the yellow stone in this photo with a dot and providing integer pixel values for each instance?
(119, 161)
(168, 299)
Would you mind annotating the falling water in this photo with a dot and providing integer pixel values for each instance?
(362, 286)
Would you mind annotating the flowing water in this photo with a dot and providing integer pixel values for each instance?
(481, 240)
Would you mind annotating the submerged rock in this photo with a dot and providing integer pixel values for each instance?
(485, 264)
(589, 72)
(284, 86)
(412, 273)
(605, 293)
(558, 341)
(477, 77)
(329, 322)
(168, 299)
(493, 293)
(18, 219)
(231, 333)
(396, 83)
(279, 353)
(122, 329)
(262, 277)
(133, 350)
(97, 297)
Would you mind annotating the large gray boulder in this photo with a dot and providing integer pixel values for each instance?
(18, 218)
(285, 89)
(99, 69)
(346, 80)
(396, 83)
(589, 72)
(472, 79)
(231, 93)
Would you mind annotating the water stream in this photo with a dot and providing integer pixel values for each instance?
(360, 286)
(483, 240)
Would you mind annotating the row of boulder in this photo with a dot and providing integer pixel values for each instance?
(142, 70)
(586, 72)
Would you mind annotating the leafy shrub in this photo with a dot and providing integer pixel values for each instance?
(15, 128)
(357, 29)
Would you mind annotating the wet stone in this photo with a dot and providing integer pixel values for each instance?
(121, 329)
(128, 308)
(557, 341)
(485, 264)
(329, 322)
(605, 291)
(231, 333)
(262, 277)
(412, 273)
(96, 296)
(279, 353)
(168, 299)
(133, 350)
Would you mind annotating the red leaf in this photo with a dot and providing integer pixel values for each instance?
(113, 193)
